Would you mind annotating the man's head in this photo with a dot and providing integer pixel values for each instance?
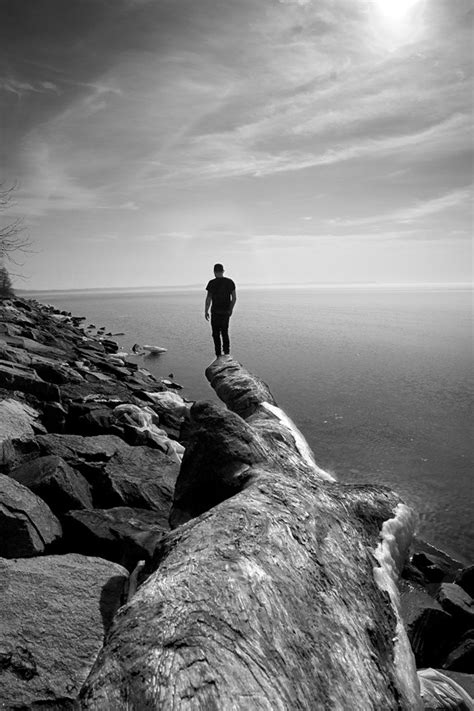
(218, 270)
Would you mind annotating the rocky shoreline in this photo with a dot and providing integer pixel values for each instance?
(99, 460)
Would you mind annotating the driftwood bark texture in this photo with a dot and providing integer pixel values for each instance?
(274, 598)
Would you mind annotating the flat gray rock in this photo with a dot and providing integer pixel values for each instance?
(27, 524)
(55, 610)
(141, 477)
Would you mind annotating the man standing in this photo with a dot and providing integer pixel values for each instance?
(221, 298)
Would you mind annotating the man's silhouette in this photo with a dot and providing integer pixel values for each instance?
(221, 298)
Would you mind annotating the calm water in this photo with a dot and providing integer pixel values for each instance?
(379, 381)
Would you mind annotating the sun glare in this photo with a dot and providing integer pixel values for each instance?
(395, 10)
(397, 22)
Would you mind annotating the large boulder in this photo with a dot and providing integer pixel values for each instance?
(428, 626)
(91, 419)
(465, 579)
(18, 423)
(58, 484)
(458, 603)
(75, 448)
(17, 420)
(14, 452)
(55, 610)
(27, 525)
(120, 475)
(121, 534)
(55, 372)
(141, 477)
(434, 565)
(18, 377)
(220, 446)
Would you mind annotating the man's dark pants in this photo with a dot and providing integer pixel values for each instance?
(220, 327)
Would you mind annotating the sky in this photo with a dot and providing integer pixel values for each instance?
(295, 141)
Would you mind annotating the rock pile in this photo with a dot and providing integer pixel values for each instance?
(89, 455)
(438, 609)
(276, 587)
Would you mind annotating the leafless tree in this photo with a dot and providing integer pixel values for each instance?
(13, 238)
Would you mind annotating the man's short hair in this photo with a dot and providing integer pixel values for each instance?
(218, 268)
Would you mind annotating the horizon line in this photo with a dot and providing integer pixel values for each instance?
(183, 287)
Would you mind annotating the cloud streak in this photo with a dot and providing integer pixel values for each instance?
(217, 157)
(417, 212)
(21, 88)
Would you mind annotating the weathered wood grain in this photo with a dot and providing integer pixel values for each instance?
(270, 600)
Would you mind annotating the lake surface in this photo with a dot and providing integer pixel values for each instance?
(379, 380)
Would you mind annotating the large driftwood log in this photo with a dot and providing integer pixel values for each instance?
(281, 596)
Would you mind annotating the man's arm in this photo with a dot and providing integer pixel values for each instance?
(233, 299)
(207, 306)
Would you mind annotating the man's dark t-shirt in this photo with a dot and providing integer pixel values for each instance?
(220, 290)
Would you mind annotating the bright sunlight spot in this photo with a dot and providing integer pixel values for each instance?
(395, 10)
(396, 22)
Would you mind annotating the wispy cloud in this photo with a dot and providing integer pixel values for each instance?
(419, 211)
(20, 88)
(436, 205)
(214, 156)
(62, 77)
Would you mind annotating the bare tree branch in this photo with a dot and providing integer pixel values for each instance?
(12, 234)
